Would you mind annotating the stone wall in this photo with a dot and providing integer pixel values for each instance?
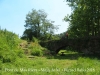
(86, 45)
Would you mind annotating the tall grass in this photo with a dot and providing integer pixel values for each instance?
(8, 46)
(44, 66)
(12, 61)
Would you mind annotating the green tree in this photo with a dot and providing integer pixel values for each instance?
(85, 18)
(37, 25)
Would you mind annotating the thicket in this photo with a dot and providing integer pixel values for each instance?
(9, 49)
(36, 49)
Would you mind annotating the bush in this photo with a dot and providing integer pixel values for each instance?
(36, 52)
(9, 57)
(20, 53)
(35, 39)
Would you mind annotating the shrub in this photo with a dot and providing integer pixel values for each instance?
(36, 51)
(9, 57)
(35, 39)
(19, 53)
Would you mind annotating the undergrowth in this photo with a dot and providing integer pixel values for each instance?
(9, 50)
(14, 62)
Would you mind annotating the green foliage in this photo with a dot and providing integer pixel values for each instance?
(36, 52)
(19, 53)
(35, 49)
(85, 19)
(37, 25)
(8, 46)
(53, 66)
(9, 57)
(35, 40)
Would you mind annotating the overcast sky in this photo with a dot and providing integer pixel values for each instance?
(13, 13)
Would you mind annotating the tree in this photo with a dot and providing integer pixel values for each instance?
(37, 25)
(85, 19)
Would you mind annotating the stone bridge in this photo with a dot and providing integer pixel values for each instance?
(85, 45)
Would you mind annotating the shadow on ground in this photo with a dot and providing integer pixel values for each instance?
(74, 56)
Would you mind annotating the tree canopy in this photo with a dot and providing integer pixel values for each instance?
(37, 25)
(85, 18)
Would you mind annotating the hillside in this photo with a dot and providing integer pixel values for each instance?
(19, 57)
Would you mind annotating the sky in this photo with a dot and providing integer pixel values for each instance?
(13, 13)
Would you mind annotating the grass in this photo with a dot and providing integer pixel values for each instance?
(37, 66)
(56, 65)
(13, 61)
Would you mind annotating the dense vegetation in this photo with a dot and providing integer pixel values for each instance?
(84, 19)
(9, 50)
(37, 25)
(19, 57)
(27, 57)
